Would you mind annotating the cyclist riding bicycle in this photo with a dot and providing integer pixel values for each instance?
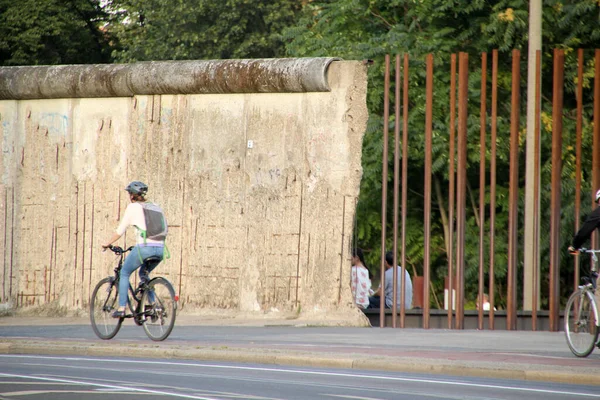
(592, 222)
(151, 230)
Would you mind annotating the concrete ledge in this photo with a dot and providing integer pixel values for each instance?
(438, 319)
(283, 75)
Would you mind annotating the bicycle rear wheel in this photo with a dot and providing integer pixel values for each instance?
(160, 307)
(580, 323)
(104, 301)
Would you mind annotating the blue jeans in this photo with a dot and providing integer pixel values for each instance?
(131, 263)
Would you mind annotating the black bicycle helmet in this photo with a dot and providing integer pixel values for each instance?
(137, 187)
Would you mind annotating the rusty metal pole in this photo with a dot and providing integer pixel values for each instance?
(493, 183)
(596, 139)
(557, 111)
(451, 178)
(427, 194)
(579, 130)
(404, 176)
(463, 87)
(482, 151)
(384, 179)
(536, 189)
(396, 181)
(513, 201)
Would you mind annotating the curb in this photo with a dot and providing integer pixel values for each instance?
(580, 376)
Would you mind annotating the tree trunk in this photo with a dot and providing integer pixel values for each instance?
(474, 205)
(443, 213)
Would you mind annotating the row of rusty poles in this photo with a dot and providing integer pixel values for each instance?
(457, 186)
(398, 77)
(596, 137)
(557, 115)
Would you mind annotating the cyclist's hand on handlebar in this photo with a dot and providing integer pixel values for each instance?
(573, 250)
(106, 246)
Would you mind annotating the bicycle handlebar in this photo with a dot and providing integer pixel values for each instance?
(584, 250)
(119, 250)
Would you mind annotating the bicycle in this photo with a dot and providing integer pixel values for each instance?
(153, 304)
(581, 313)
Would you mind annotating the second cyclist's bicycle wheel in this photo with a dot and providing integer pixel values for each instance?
(580, 323)
(104, 301)
(160, 307)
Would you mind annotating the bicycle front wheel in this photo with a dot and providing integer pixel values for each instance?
(580, 322)
(104, 301)
(160, 307)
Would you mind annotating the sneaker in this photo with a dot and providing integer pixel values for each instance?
(118, 314)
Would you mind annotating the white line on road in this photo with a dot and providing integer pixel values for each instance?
(351, 397)
(321, 373)
(185, 396)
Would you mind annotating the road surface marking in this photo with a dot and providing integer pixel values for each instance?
(114, 387)
(321, 373)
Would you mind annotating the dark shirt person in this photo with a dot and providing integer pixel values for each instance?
(591, 223)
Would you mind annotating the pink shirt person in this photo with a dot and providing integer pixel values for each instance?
(360, 283)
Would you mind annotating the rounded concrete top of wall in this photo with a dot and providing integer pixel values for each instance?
(276, 75)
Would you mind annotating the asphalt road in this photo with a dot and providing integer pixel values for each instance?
(35, 377)
(514, 355)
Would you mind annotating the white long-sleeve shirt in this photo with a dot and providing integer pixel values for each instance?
(134, 216)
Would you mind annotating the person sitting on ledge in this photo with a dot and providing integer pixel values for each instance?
(375, 300)
(486, 303)
(360, 281)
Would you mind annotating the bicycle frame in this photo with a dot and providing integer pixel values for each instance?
(593, 276)
(135, 313)
(591, 280)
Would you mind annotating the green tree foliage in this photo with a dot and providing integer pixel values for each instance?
(368, 29)
(91, 31)
(200, 29)
(34, 32)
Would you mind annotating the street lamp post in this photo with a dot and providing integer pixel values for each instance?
(532, 168)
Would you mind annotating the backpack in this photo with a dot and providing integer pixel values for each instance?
(156, 223)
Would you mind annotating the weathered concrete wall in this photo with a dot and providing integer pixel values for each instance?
(250, 229)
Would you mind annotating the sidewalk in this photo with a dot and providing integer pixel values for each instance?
(542, 356)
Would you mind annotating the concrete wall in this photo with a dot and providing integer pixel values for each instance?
(250, 229)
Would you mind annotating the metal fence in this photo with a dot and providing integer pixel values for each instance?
(458, 106)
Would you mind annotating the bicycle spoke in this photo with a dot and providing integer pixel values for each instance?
(580, 323)
(160, 309)
(103, 303)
